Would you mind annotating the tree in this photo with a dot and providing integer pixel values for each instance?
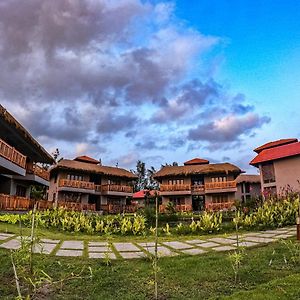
(152, 184)
(173, 164)
(56, 155)
(141, 182)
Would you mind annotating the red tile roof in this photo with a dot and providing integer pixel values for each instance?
(141, 194)
(196, 161)
(275, 144)
(87, 159)
(277, 153)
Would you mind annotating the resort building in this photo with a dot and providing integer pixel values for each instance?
(198, 185)
(86, 182)
(279, 166)
(21, 157)
(248, 187)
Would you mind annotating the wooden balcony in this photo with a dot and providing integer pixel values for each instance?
(11, 154)
(219, 206)
(77, 184)
(178, 208)
(38, 171)
(220, 185)
(115, 188)
(118, 209)
(77, 206)
(198, 188)
(8, 202)
(175, 187)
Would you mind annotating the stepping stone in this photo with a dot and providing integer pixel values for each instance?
(162, 251)
(208, 245)
(285, 235)
(178, 245)
(44, 248)
(12, 244)
(268, 234)
(258, 239)
(72, 245)
(224, 248)
(2, 237)
(63, 252)
(195, 241)
(8, 235)
(126, 247)
(223, 240)
(99, 249)
(247, 244)
(130, 255)
(279, 231)
(110, 255)
(147, 244)
(249, 234)
(49, 241)
(194, 251)
(98, 244)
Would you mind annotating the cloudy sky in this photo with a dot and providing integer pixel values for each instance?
(159, 81)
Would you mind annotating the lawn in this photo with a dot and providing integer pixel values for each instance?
(207, 276)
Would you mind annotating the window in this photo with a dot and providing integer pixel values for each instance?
(55, 178)
(247, 187)
(176, 181)
(177, 200)
(54, 197)
(219, 198)
(219, 179)
(75, 177)
(20, 191)
(268, 172)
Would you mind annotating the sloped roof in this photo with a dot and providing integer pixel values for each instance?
(12, 132)
(248, 178)
(196, 161)
(275, 144)
(67, 164)
(85, 158)
(197, 169)
(141, 194)
(279, 152)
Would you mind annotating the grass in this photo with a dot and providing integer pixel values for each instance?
(207, 276)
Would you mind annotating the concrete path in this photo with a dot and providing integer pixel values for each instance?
(130, 250)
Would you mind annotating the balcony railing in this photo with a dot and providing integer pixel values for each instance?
(198, 188)
(219, 206)
(117, 209)
(220, 185)
(174, 187)
(11, 154)
(178, 208)
(116, 188)
(77, 206)
(37, 170)
(79, 184)
(8, 202)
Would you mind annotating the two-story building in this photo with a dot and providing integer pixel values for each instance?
(279, 166)
(21, 157)
(248, 187)
(198, 185)
(85, 181)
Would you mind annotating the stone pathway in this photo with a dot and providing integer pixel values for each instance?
(130, 250)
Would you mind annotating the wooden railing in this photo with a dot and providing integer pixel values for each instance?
(220, 185)
(117, 209)
(178, 208)
(219, 206)
(77, 206)
(174, 187)
(79, 184)
(198, 188)
(116, 188)
(39, 171)
(12, 154)
(8, 202)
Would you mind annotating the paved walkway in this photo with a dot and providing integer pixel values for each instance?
(129, 250)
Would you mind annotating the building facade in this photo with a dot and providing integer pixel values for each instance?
(279, 166)
(248, 187)
(198, 185)
(21, 157)
(85, 181)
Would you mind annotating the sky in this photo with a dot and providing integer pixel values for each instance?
(157, 81)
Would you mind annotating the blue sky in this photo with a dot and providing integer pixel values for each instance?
(159, 81)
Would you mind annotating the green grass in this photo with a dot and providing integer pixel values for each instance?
(208, 276)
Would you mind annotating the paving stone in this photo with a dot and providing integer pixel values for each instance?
(193, 251)
(162, 251)
(222, 240)
(12, 244)
(147, 244)
(248, 244)
(285, 235)
(130, 255)
(63, 252)
(279, 231)
(72, 245)
(224, 248)
(195, 241)
(49, 241)
(250, 234)
(2, 238)
(258, 239)
(126, 247)
(8, 235)
(208, 245)
(268, 234)
(44, 248)
(110, 255)
(178, 245)
(98, 244)
(99, 249)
